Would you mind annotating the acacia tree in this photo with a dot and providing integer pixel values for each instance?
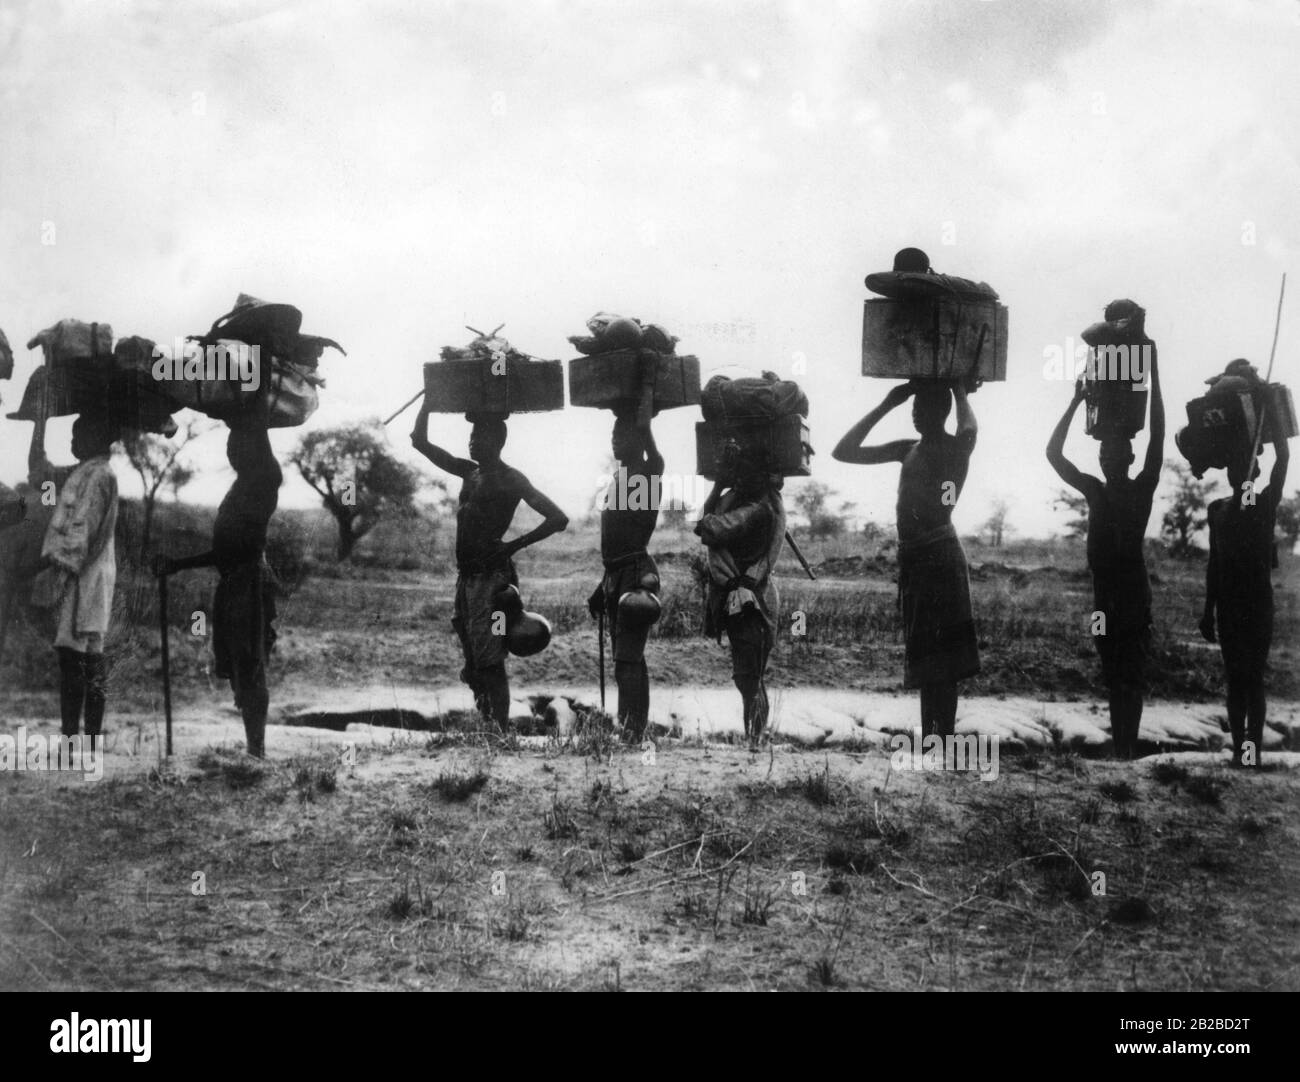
(357, 478)
(996, 523)
(812, 501)
(157, 460)
(1077, 505)
(1187, 507)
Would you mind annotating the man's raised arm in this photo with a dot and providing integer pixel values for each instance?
(850, 448)
(1156, 444)
(461, 467)
(1065, 469)
(1281, 455)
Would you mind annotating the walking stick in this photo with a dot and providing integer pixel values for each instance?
(600, 625)
(1257, 444)
(166, 658)
(393, 416)
(799, 555)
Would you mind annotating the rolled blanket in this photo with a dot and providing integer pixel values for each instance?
(934, 601)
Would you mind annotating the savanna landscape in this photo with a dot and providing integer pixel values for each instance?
(389, 841)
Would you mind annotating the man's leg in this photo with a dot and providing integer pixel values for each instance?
(72, 688)
(1256, 709)
(96, 696)
(747, 673)
(254, 702)
(1238, 701)
(927, 711)
(943, 701)
(493, 693)
(633, 679)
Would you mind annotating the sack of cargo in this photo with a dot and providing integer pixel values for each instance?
(611, 333)
(273, 327)
(612, 380)
(72, 340)
(911, 285)
(779, 446)
(292, 396)
(749, 399)
(1218, 426)
(947, 339)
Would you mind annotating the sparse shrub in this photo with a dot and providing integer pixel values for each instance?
(457, 787)
(1121, 792)
(1205, 789)
(1167, 773)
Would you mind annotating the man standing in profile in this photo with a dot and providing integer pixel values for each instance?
(743, 524)
(490, 493)
(933, 581)
(79, 558)
(628, 593)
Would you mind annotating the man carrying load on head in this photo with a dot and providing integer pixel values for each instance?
(1118, 510)
(628, 594)
(743, 524)
(933, 580)
(243, 605)
(490, 493)
(1239, 584)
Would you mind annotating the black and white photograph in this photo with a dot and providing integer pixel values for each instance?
(669, 495)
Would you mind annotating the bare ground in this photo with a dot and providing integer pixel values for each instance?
(459, 861)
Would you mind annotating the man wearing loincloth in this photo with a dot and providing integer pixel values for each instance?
(1239, 589)
(627, 521)
(1118, 511)
(933, 582)
(490, 493)
(243, 605)
(743, 524)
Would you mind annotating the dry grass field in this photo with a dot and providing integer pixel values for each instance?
(459, 859)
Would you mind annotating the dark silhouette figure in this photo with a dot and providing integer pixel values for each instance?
(489, 496)
(933, 579)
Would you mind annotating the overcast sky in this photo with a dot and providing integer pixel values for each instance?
(398, 170)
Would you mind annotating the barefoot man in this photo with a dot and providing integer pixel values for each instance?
(933, 582)
(743, 524)
(627, 522)
(1118, 510)
(490, 493)
(1239, 589)
(243, 606)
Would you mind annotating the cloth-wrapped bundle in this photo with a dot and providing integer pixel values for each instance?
(1226, 419)
(756, 420)
(73, 340)
(1117, 372)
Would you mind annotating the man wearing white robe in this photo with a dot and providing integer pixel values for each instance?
(80, 553)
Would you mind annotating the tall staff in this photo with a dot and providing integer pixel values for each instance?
(1257, 443)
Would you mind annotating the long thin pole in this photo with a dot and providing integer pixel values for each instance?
(166, 658)
(1258, 442)
(600, 631)
(414, 398)
(799, 555)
